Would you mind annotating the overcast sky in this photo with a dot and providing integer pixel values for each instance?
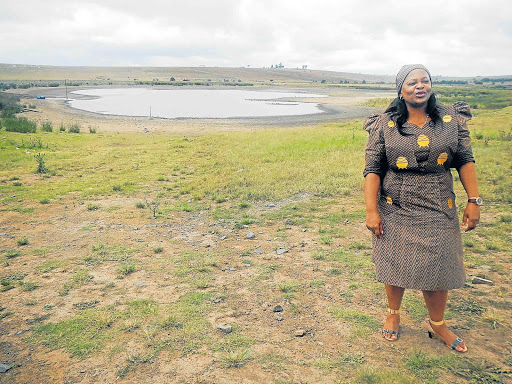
(451, 37)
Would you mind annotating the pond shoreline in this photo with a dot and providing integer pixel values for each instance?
(341, 105)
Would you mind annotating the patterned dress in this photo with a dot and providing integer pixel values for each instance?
(421, 247)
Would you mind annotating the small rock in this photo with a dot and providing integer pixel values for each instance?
(223, 237)
(250, 235)
(300, 332)
(279, 318)
(4, 367)
(246, 265)
(271, 205)
(226, 328)
(304, 230)
(258, 251)
(280, 251)
(278, 308)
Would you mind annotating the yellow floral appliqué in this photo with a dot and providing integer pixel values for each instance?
(401, 162)
(423, 141)
(447, 118)
(442, 158)
(391, 123)
(389, 200)
(450, 203)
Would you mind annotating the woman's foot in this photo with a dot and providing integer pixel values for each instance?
(449, 338)
(390, 329)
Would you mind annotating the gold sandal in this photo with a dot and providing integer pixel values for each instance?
(431, 334)
(390, 331)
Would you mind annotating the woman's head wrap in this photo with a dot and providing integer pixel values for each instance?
(406, 69)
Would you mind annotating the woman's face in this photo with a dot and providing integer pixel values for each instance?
(417, 88)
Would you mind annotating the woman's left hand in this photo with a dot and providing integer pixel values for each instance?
(471, 216)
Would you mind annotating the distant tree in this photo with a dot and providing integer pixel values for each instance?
(363, 82)
(304, 67)
(323, 81)
(172, 79)
(272, 66)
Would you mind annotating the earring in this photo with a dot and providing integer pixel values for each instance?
(401, 97)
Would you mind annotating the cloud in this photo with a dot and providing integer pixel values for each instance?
(451, 37)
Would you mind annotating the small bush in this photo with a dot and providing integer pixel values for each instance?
(23, 241)
(92, 130)
(158, 249)
(93, 207)
(140, 205)
(117, 188)
(41, 165)
(47, 127)
(19, 124)
(45, 201)
(126, 269)
(74, 128)
(62, 128)
(17, 184)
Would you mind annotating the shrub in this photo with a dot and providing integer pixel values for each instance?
(19, 124)
(41, 165)
(74, 128)
(47, 126)
(23, 241)
(126, 269)
(92, 130)
(62, 128)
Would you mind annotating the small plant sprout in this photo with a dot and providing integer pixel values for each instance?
(153, 207)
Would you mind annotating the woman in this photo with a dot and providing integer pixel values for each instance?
(410, 204)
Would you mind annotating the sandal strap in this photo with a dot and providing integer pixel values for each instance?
(457, 341)
(394, 311)
(391, 332)
(436, 322)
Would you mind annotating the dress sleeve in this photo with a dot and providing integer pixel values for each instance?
(375, 152)
(464, 152)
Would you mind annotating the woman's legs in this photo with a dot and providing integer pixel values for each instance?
(395, 295)
(436, 304)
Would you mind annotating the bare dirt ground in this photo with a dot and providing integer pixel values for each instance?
(65, 230)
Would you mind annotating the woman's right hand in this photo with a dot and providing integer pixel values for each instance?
(374, 223)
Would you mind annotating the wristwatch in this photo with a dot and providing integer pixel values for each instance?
(475, 200)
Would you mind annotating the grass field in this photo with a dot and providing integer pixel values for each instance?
(123, 254)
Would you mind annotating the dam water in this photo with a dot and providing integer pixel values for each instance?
(194, 103)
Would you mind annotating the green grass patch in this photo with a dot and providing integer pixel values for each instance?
(79, 278)
(49, 265)
(288, 286)
(474, 370)
(361, 324)
(81, 336)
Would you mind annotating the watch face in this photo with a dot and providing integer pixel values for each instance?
(479, 200)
